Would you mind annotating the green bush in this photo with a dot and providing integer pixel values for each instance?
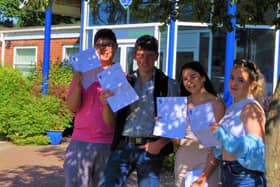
(59, 79)
(24, 116)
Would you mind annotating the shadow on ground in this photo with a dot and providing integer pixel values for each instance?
(32, 166)
(52, 151)
(42, 166)
(32, 176)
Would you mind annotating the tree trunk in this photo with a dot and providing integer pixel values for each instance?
(273, 140)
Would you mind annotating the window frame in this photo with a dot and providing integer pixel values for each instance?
(16, 64)
(64, 48)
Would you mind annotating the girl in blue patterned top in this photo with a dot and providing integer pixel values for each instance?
(241, 131)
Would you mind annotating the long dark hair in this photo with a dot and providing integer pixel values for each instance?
(197, 67)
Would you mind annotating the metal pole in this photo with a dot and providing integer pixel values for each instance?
(230, 46)
(82, 28)
(127, 16)
(171, 47)
(277, 50)
(46, 62)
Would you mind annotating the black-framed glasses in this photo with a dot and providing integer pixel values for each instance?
(247, 64)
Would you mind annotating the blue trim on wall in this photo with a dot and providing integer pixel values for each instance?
(82, 24)
(230, 46)
(47, 41)
(171, 42)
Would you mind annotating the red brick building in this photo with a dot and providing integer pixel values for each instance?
(24, 47)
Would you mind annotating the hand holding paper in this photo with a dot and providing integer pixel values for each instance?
(86, 62)
(214, 127)
(113, 79)
(192, 176)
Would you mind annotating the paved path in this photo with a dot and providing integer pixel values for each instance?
(40, 166)
(31, 166)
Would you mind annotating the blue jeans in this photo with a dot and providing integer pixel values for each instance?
(235, 175)
(125, 159)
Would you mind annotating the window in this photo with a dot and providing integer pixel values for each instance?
(69, 50)
(25, 58)
(258, 46)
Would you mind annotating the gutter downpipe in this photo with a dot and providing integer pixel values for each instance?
(47, 41)
(276, 71)
(276, 74)
(278, 64)
(2, 49)
(230, 47)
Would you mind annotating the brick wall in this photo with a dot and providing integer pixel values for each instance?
(56, 49)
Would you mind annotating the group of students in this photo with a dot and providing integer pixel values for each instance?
(106, 147)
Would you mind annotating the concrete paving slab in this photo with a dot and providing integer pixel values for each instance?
(42, 166)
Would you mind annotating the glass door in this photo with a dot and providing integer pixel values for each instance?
(124, 56)
(181, 59)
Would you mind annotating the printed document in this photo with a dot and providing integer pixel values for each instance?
(114, 79)
(201, 118)
(172, 113)
(88, 63)
(85, 61)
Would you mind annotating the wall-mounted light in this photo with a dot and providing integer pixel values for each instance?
(8, 43)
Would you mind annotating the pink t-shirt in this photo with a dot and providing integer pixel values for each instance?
(89, 125)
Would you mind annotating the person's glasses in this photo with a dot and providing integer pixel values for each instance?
(246, 64)
(103, 45)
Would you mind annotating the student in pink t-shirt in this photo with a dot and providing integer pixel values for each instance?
(92, 136)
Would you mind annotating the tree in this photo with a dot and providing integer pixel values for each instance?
(8, 11)
(273, 140)
(214, 11)
(12, 15)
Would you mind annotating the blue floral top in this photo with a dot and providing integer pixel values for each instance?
(249, 149)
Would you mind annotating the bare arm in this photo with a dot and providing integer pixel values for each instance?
(74, 99)
(107, 114)
(254, 119)
(219, 110)
(156, 146)
(210, 166)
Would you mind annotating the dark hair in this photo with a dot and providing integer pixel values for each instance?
(254, 75)
(197, 67)
(146, 42)
(105, 34)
